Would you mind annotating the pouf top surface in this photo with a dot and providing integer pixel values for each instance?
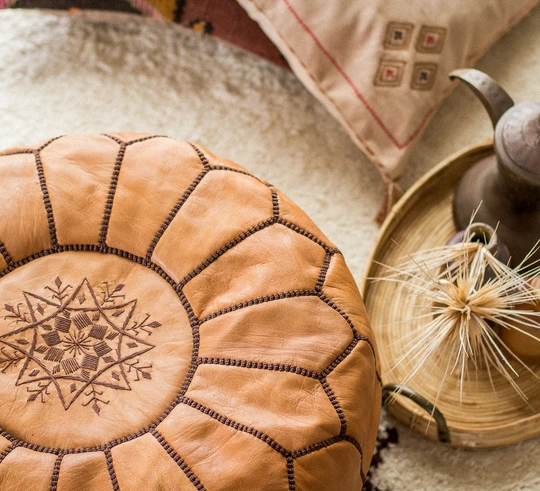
(171, 321)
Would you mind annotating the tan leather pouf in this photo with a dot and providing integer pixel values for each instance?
(172, 322)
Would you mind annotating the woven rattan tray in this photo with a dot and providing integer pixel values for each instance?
(486, 417)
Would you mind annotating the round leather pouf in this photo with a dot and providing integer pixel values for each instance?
(171, 322)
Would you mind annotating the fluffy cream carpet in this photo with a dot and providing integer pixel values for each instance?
(88, 73)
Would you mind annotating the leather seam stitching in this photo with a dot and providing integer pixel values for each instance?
(45, 192)
(256, 365)
(257, 301)
(110, 469)
(172, 214)
(110, 196)
(290, 473)
(178, 460)
(216, 255)
(235, 425)
(56, 472)
(335, 403)
(309, 235)
(5, 254)
(8, 450)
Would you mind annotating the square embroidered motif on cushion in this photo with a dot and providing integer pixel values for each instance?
(398, 35)
(423, 76)
(430, 39)
(390, 73)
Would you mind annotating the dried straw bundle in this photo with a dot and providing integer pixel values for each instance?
(464, 296)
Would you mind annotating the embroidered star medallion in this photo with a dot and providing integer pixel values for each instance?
(77, 341)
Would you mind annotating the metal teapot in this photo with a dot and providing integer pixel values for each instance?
(505, 187)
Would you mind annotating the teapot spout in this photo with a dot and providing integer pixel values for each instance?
(491, 94)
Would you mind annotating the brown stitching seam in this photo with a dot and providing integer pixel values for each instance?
(216, 255)
(46, 200)
(5, 254)
(91, 248)
(110, 468)
(328, 443)
(191, 371)
(232, 169)
(56, 472)
(194, 322)
(329, 302)
(131, 142)
(18, 152)
(8, 450)
(200, 154)
(290, 474)
(277, 367)
(57, 451)
(110, 196)
(354, 442)
(233, 424)
(48, 142)
(330, 368)
(337, 406)
(259, 300)
(309, 235)
(323, 272)
(316, 446)
(178, 460)
(165, 225)
(189, 310)
(275, 203)
(114, 138)
(144, 138)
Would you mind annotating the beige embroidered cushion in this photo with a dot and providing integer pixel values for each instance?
(171, 322)
(381, 66)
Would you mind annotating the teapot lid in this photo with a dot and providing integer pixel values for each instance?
(520, 136)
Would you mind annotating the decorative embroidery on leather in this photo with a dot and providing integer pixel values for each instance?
(423, 76)
(398, 35)
(389, 73)
(80, 341)
(430, 39)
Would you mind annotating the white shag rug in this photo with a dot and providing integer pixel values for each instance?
(110, 72)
